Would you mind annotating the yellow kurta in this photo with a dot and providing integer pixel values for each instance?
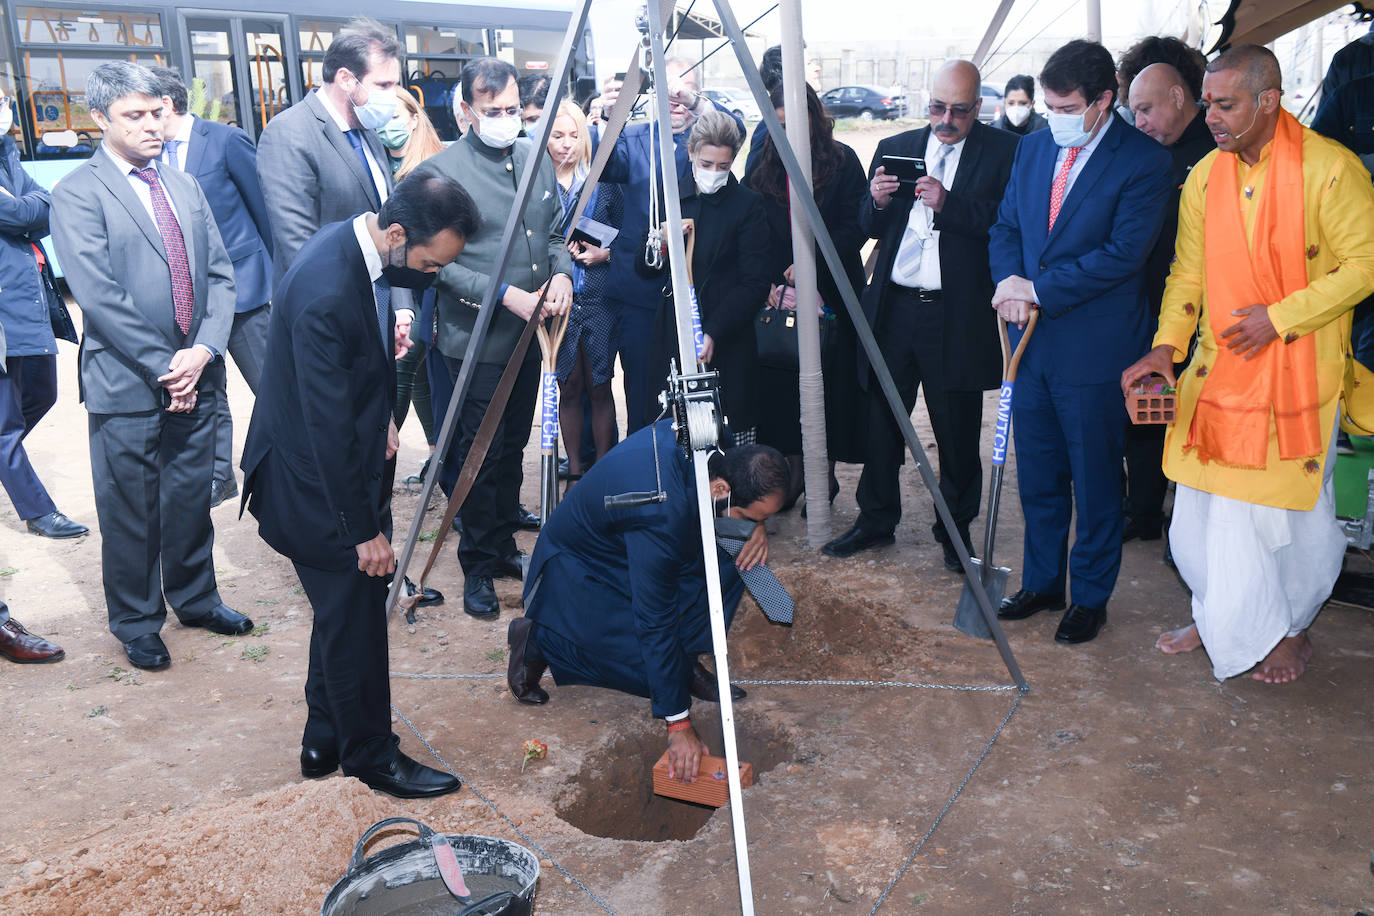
(1338, 202)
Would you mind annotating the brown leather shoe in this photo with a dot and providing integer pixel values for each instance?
(19, 645)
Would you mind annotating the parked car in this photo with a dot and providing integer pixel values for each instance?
(740, 103)
(863, 102)
(991, 109)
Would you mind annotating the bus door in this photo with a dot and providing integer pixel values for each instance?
(237, 67)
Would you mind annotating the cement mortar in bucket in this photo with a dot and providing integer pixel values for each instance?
(436, 875)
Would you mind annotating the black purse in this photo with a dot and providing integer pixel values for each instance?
(775, 331)
(63, 328)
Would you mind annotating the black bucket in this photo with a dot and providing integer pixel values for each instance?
(417, 878)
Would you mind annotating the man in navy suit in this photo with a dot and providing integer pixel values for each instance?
(222, 159)
(320, 457)
(635, 297)
(617, 597)
(1077, 223)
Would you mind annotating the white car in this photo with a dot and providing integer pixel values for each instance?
(739, 102)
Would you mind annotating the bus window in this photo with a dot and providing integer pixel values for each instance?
(315, 35)
(530, 50)
(211, 82)
(435, 56)
(56, 100)
(269, 95)
(42, 25)
(444, 41)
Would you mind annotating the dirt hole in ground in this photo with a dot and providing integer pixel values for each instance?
(613, 795)
(839, 635)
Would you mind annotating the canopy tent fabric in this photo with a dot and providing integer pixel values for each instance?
(697, 26)
(1262, 21)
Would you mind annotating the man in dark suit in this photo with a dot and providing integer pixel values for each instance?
(223, 161)
(635, 297)
(319, 462)
(321, 161)
(489, 160)
(145, 263)
(928, 306)
(28, 368)
(1080, 216)
(617, 598)
(1165, 109)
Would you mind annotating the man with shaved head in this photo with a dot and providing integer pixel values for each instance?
(1274, 250)
(928, 305)
(1166, 109)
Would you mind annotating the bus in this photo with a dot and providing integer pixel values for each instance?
(246, 65)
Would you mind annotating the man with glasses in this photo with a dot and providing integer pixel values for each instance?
(928, 305)
(489, 161)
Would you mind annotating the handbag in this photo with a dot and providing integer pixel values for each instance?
(775, 331)
(63, 328)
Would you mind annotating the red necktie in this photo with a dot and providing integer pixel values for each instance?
(1061, 182)
(183, 295)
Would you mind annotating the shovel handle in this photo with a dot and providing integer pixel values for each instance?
(1010, 360)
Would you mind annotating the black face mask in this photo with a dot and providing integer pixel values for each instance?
(406, 277)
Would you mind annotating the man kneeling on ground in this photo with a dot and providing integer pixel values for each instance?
(617, 597)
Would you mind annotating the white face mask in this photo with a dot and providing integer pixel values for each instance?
(1018, 114)
(498, 133)
(381, 105)
(709, 182)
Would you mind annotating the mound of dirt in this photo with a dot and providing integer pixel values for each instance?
(276, 852)
(838, 635)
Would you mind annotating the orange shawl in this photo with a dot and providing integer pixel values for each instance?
(1238, 397)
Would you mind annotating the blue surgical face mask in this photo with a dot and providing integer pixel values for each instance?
(1068, 130)
(381, 105)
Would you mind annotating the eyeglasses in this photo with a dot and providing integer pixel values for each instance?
(499, 112)
(938, 109)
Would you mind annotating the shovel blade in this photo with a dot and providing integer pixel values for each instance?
(968, 617)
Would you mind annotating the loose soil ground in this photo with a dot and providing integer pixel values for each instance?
(1126, 782)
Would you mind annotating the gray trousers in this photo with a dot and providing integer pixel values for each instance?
(151, 473)
(248, 346)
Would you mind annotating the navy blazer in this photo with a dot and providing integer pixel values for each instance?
(1089, 272)
(316, 475)
(612, 578)
(23, 221)
(225, 162)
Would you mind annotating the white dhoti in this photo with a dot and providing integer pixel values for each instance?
(1258, 574)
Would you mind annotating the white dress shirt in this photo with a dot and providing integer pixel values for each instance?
(921, 231)
(378, 179)
(372, 258)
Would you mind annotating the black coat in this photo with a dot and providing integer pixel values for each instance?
(1195, 142)
(316, 475)
(973, 354)
(730, 271)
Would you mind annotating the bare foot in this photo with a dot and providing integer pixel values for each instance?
(1184, 639)
(1286, 662)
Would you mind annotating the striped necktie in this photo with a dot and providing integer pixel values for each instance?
(773, 600)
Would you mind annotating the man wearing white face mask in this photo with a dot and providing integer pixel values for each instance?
(321, 161)
(489, 161)
(1078, 220)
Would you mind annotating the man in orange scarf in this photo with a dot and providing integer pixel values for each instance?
(1274, 250)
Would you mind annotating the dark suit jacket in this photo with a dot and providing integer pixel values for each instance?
(222, 158)
(315, 470)
(612, 578)
(116, 266)
(23, 222)
(1195, 143)
(311, 176)
(973, 355)
(1089, 272)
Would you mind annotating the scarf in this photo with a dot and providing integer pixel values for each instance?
(1238, 399)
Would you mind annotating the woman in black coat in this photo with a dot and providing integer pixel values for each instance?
(841, 187)
(730, 267)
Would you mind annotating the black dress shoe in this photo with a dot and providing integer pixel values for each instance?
(510, 567)
(1137, 529)
(564, 468)
(220, 490)
(704, 686)
(148, 652)
(407, 778)
(479, 598)
(56, 525)
(318, 762)
(526, 665)
(223, 620)
(1026, 602)
(1080, 624)
(429, 598)
(529, 521)
(951, 557)
(856, 539)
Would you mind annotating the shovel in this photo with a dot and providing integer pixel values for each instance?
(968, 617)
(550, 340)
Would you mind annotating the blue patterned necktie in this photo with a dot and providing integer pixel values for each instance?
(355, 139)
(382, 291)
(172, 153)
(773, 600)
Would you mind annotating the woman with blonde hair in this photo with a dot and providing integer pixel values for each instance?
(409, 137)
(586, 360)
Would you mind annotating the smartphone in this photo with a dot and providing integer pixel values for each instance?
(907, 169)
(620, 76)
